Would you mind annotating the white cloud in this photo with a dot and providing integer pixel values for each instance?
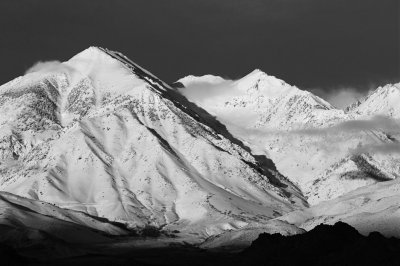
(56, 67)
(200, 92)
(45, 66)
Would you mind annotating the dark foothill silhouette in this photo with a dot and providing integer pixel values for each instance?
(338, 244)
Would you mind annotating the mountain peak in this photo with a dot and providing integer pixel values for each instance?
(258, 79)
(257, 72)
(382, 101)
(261, 83)
(117, 143)
(113, 72)
(255, 75)
(91, 50)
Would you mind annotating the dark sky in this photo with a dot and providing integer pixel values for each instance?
(309, 43)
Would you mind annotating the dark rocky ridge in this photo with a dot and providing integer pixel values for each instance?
(339, 244)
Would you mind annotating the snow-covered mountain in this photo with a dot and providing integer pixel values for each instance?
(100, 135)
(314, 144)
(264, 102)
(383, 101)
(98, 147)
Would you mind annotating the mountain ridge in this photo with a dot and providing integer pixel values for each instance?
(100, 135)
(99, 145)
(297, 130)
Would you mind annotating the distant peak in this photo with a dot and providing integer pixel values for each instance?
(259, 79)
(382, 101)
(90, 51)
(386, 91)
(256, 73)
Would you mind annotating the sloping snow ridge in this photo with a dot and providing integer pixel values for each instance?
(101, 137)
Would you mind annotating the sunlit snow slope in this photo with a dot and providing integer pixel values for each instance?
(100, 135)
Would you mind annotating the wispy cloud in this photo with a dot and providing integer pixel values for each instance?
(45, 66)
(338, 137)
(346, 130)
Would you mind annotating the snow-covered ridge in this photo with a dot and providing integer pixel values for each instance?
(383, 101)
(302, 132)
(103, 136)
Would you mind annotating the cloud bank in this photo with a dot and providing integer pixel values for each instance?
(350, 128)
(381, 123)
(381, 148)
(339, 136)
